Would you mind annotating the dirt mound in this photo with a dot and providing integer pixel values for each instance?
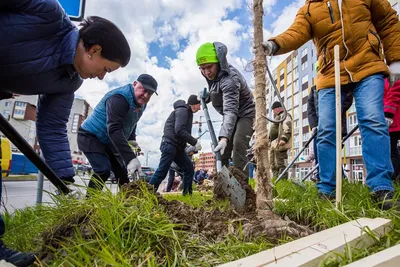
(206, 186)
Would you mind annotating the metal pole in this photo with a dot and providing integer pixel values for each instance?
(39, 191)
(147, 158)
(296, 157)
(27, 150)
(211, 130)
(338, 97)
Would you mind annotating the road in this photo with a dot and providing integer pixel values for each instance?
(20, 194)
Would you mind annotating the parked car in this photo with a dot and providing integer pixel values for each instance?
(147, 173)
(6, 156)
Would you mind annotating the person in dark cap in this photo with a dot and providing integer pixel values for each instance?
(280, 135)
(177, 133)
(104, 135)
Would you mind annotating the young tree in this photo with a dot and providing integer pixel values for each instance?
(264, 186)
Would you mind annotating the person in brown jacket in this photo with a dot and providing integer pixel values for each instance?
(368, 33)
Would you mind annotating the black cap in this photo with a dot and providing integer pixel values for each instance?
(148, 82)
(192, 100)
(276, 104)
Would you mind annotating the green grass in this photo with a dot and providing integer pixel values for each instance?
(111, 230)
(305, 207)
(136, 232)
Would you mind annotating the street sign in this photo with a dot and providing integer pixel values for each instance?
(74, 8)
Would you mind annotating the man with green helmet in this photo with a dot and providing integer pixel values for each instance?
(232, 98)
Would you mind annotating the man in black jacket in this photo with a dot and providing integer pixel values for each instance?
(177, 132)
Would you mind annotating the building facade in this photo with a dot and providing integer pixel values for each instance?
(206, 161)
(21, 113)
(79, 112)
(294, 77)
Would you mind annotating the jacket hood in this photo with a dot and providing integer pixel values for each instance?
(180, 104)
(222, 51)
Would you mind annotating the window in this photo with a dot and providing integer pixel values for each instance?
(289, 79)
(296, 99)
(304, 79)
(296, 124)
(282, 72)
(281, 82)
(7, 104)
(6, 113)
(295, 61)
(304, 52)
(20, 104)
(296, 85)
(305, 122)
(305, 93)
(289, 67)
(296, 113)
(304, 107)
(75, 122)
(289, 103)
(296, 73)
(304, 66)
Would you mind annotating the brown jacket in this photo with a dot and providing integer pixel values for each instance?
(369, 28)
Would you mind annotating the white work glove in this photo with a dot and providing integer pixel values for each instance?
(200, 95)
(133, 166)
(313, 130)
(389, 121)
(221, 146)
(198, 146)
(394, 69)
(270, 48)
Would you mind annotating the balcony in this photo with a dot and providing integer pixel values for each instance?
(355, 151)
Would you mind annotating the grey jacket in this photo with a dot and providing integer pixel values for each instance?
(229, 94)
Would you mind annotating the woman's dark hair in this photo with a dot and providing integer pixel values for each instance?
(100, 31)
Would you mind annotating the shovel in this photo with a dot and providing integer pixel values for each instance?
(229, 184)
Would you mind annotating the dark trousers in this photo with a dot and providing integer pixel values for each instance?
(238, 145)
(169, 154)
(171, 178)
(394, 154)
(103, 160)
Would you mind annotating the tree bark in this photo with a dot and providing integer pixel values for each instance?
(263, 182)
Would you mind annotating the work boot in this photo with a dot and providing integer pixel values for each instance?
(16, 258)
(385, 200)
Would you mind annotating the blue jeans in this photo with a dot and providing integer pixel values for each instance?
(368, 95)
(170, 153)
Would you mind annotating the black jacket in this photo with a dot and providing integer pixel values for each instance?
(178, 127)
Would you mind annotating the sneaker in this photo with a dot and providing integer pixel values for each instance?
(385, 201)
(19, 259)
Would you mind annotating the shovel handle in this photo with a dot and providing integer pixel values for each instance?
(211, 129)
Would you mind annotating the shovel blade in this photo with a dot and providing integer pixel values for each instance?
(232, 188)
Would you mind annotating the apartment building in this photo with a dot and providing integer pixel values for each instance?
(206, 161)
(21, 113)
(294, 77)
(79, 112)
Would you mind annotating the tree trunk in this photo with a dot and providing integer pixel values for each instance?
(263, 184)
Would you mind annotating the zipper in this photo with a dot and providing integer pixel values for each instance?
(377, 37)
(330, 11)
(344, 40)
(324, 54)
